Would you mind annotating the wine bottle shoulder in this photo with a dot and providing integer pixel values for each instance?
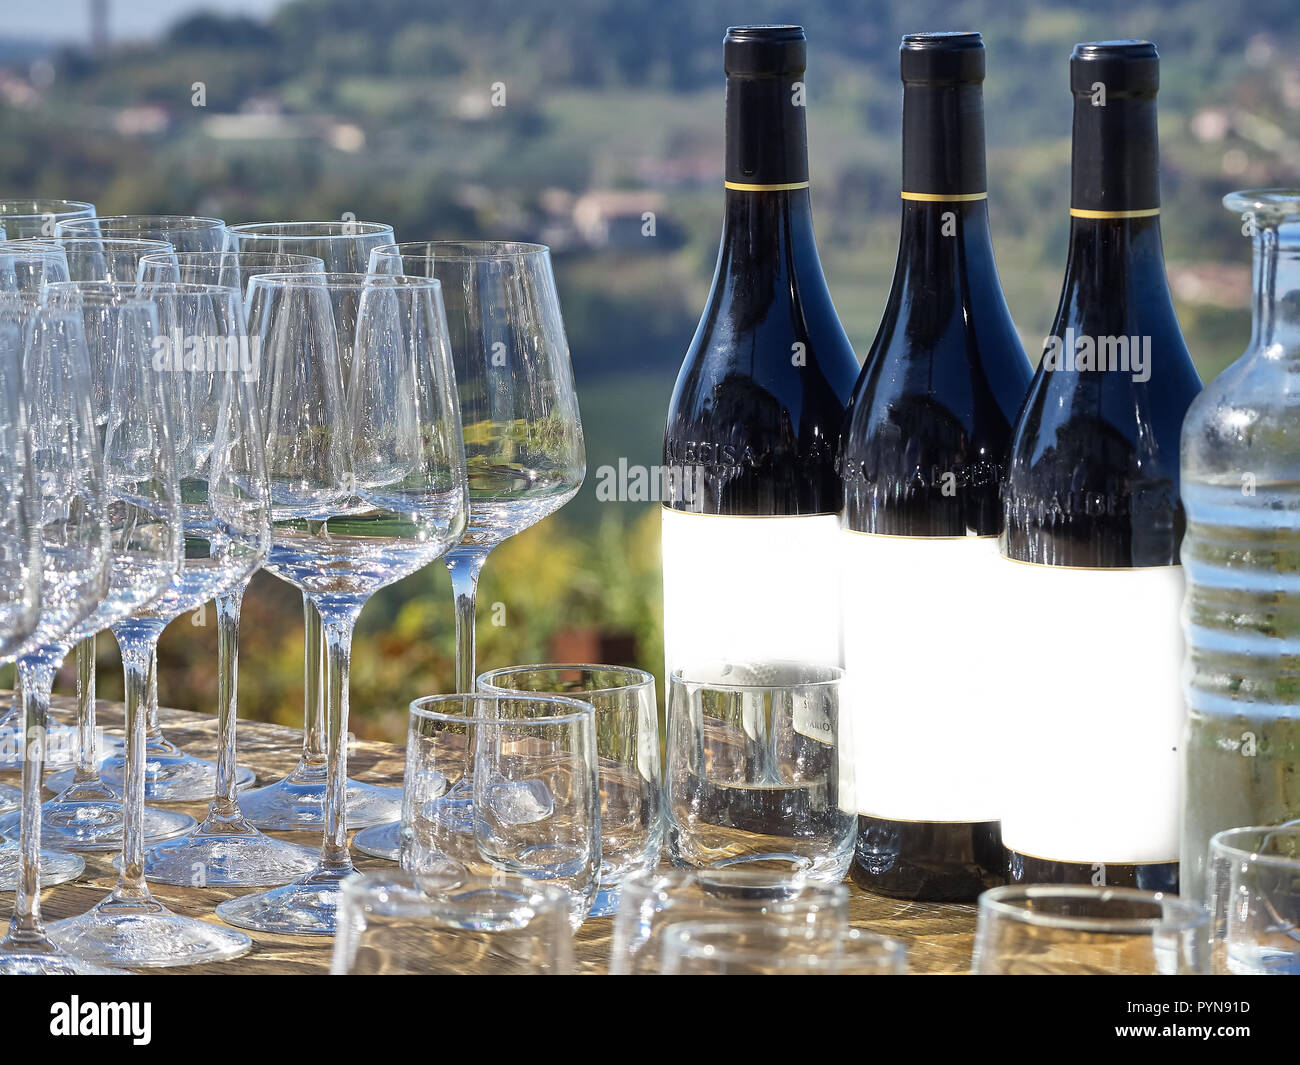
(926, 439)
(1094, 473)
(760, 398)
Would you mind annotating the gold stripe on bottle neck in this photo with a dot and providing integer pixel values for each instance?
(945, 197)
(788, 186)
(1146, 212)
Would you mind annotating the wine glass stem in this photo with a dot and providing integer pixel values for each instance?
(465, 564)
(336, 627)
(313, 703)
(225, 803)
(139, 645)
(36, 678)
(87, 769)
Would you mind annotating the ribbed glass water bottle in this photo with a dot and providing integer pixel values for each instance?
(1241, 559)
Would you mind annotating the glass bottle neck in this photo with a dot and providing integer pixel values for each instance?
(1276, 291)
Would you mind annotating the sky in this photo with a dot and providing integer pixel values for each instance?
(68, 20)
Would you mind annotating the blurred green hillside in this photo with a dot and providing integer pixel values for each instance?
(565, 122)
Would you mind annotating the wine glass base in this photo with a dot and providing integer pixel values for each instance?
(11, 798)
(57, 867)
(62, 745)
(146, 935)
(169, 778)
(606, 903)
(87, 825)
(234, 860)
(307, 907)
(380, 841)
(36, 964)
(297, 804)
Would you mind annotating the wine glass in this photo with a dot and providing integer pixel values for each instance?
(97, 258)
(524, 449)
(71, 522)
(173, 775)
(24, 267)
(20, 549)
(298, 800)
(40, 218)
(184, 232)
(367, 486)
(88, 815)
(762, 948)
(226, 850)
(224, 519)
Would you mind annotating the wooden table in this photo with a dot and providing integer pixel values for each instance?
(939, 936)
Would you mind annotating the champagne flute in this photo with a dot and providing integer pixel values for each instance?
(368, 486)
(298, 800)
(524, 448)
(72, 525)
(224, 519)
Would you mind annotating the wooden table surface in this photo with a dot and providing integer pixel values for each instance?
(939, 936)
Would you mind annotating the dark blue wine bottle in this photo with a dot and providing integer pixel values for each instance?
(750, 517)
(1093, 519)
(924, 451)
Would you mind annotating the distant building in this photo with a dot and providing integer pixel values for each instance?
(617, 219)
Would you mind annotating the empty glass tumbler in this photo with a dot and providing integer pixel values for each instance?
(759, 770)
(1255, 900)
(1079, 930)
(504, 783)
(396, 923)
(627, 752)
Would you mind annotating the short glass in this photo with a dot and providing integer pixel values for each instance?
(759, 769)
(627, 749)
(1254, 894)
(1078, 930)
(504, 783)
(397, 923)
(652, 900)
(755, 947)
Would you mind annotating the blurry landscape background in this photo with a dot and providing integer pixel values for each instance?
(385, 109)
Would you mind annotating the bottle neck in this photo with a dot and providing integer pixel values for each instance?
(1113, 261)
(1115, 160)
(766, 134)
(1276, 291)
(943, 141)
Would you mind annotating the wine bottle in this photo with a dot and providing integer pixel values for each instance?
(752, 496)
(922, 457)
(1093, 520)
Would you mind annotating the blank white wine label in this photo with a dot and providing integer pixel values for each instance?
(749, 590)
(928, 656)
(1095, 714)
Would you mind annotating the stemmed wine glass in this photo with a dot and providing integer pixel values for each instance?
(97, 811)
(224, 519)
(88, 815)
(524, 448)
(225, 849)
(72, 525)
(20, 549)
(171, 774)
(298, 800)
(96, 258)
(184, 232)
(368, 486)
(40, 218)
